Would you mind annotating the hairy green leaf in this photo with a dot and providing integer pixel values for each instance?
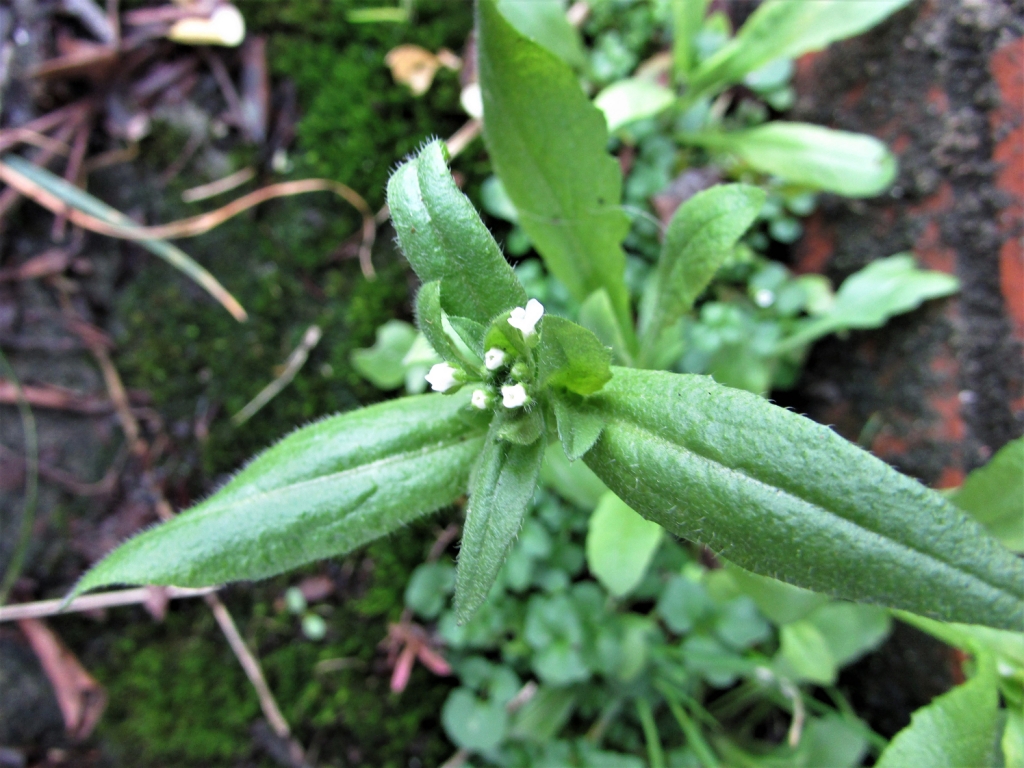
(502, 484)
(442, 236)
(620, 545)
(544, 22)
(548, 144)
(322, 491)
(634, 98)
(994, 495)
(788, 498)
(785, 29)
(868, 298)
(430, 319)
(956, 730)
(699, 238)
(571, 357)
(850, 164)
(578, 426)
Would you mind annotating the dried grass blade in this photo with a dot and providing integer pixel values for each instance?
(90, 213)
(123, 228)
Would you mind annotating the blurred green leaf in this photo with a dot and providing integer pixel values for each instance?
(868, 298)
(851, 629)
(620, 545)
(472, 723)
(683, 604)
(574, 481)
(544, 715)
(806, 651)
(699, 239)
(956, 729)
(994, 495)
(383, 363)
(850, 164)
(634, 98)
(785, 29)
(782, 603)
(428, 589)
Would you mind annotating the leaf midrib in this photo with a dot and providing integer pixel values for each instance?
(654, 437)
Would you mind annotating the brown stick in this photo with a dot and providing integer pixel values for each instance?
(42, 608)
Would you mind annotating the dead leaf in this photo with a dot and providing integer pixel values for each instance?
(413, 66)
(81, 699)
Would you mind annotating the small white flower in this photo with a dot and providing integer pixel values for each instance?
(494, 358)
(441, 377)
(513, 396)
(480, 399)
(526, 319)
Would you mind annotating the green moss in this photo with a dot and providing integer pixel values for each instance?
(356, 122)
(178, 696)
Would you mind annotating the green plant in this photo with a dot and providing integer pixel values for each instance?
(771, 491)
(659, 636)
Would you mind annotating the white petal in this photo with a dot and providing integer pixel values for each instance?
(479, 399)
(526, 319)
(494, 358)
(441, 377)
(513, 396)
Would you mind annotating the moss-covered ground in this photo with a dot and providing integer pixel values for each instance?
(177, 697)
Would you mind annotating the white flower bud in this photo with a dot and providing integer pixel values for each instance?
(514, 396)
(441, 377)
(526, 319)
(480, 399)
(494, 358)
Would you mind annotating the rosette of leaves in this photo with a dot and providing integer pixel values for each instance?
(767, 488)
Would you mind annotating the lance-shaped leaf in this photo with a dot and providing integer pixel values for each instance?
(850, 164)
(785, 29)
(700, 237)
(502, 485)
(869, 297)
(548, 144)
(545, 22)
(442, 236)
(321, 491)
(430, 319)
(788, 498)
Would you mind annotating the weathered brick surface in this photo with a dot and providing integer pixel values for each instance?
(942, 83)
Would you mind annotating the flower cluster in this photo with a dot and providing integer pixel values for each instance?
(499, 367)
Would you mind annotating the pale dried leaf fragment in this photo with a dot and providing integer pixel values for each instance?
(415, 67)
(81, 699)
